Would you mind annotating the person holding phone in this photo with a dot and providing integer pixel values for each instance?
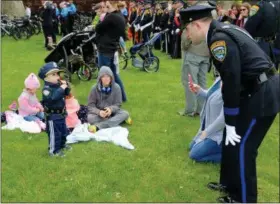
(206, 145)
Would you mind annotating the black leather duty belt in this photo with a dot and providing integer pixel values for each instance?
(55, 111)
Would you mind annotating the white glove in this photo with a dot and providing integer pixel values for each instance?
(172, 32)
(136, 28)
(231, 136)
(177, 30)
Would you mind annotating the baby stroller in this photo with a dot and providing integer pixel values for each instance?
(75, 53)
(146, 60)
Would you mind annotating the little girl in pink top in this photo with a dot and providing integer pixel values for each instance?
(29, 106)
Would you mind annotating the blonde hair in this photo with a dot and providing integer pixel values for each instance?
(247, 6)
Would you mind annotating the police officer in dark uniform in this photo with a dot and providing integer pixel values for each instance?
(264, 23)
(251, 99)
(54, 92)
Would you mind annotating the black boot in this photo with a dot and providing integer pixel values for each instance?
(216, 187)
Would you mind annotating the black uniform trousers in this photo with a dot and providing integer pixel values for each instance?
(57, 132)
(49, 31)
(132, 29)
(267, 48)
(176, 53)
(238, 165)
(146, 33)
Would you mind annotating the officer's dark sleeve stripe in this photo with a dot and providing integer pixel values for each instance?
(231, 111)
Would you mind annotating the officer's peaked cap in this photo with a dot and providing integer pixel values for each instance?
(196, 12)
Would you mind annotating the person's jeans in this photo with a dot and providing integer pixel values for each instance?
(206, 151)
(38, 116)
(109, 62)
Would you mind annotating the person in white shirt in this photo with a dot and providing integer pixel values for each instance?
(28, 10)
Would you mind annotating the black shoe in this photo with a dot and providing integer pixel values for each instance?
(226, 199)
(216, 187)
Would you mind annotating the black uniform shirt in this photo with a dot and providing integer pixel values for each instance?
(263, 19)
(54, 96)
(238, 63)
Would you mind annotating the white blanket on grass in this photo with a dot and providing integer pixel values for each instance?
(15, 121)
(117, 135)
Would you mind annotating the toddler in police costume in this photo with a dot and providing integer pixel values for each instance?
(54, 92)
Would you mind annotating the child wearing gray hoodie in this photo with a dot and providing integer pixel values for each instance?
(104, 103)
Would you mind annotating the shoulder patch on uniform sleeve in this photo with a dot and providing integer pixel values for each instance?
(254, 9)
(219, 50)
(46, 92)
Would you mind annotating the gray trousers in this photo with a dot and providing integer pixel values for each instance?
(112, 121)
(197, 67)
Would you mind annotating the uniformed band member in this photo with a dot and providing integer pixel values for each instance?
(170, 25)
(146, 19)
(156, 25)
(176, 30)
(136, 23)
(131, 18)
(264, 23)
(54, 93)
(164, 26)
(250, 94)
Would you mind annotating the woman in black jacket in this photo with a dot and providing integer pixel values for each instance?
(108, 33)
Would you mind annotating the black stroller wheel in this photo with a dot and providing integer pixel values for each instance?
(151, 64)
(123, 61)
(94, 71)
(84, 72)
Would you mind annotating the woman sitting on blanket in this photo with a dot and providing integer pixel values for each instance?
(206, 145)
(104, 103)
(29, 106)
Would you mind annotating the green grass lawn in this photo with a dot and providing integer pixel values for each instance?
(158, 170)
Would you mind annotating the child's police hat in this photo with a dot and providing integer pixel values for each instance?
(48, 68)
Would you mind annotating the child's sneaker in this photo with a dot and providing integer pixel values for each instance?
(13, 106)
(58, 154)
(67, 148)
(92, 128)
(128, 121)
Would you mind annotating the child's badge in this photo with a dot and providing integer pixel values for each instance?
(46, 92)
(219, 50)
